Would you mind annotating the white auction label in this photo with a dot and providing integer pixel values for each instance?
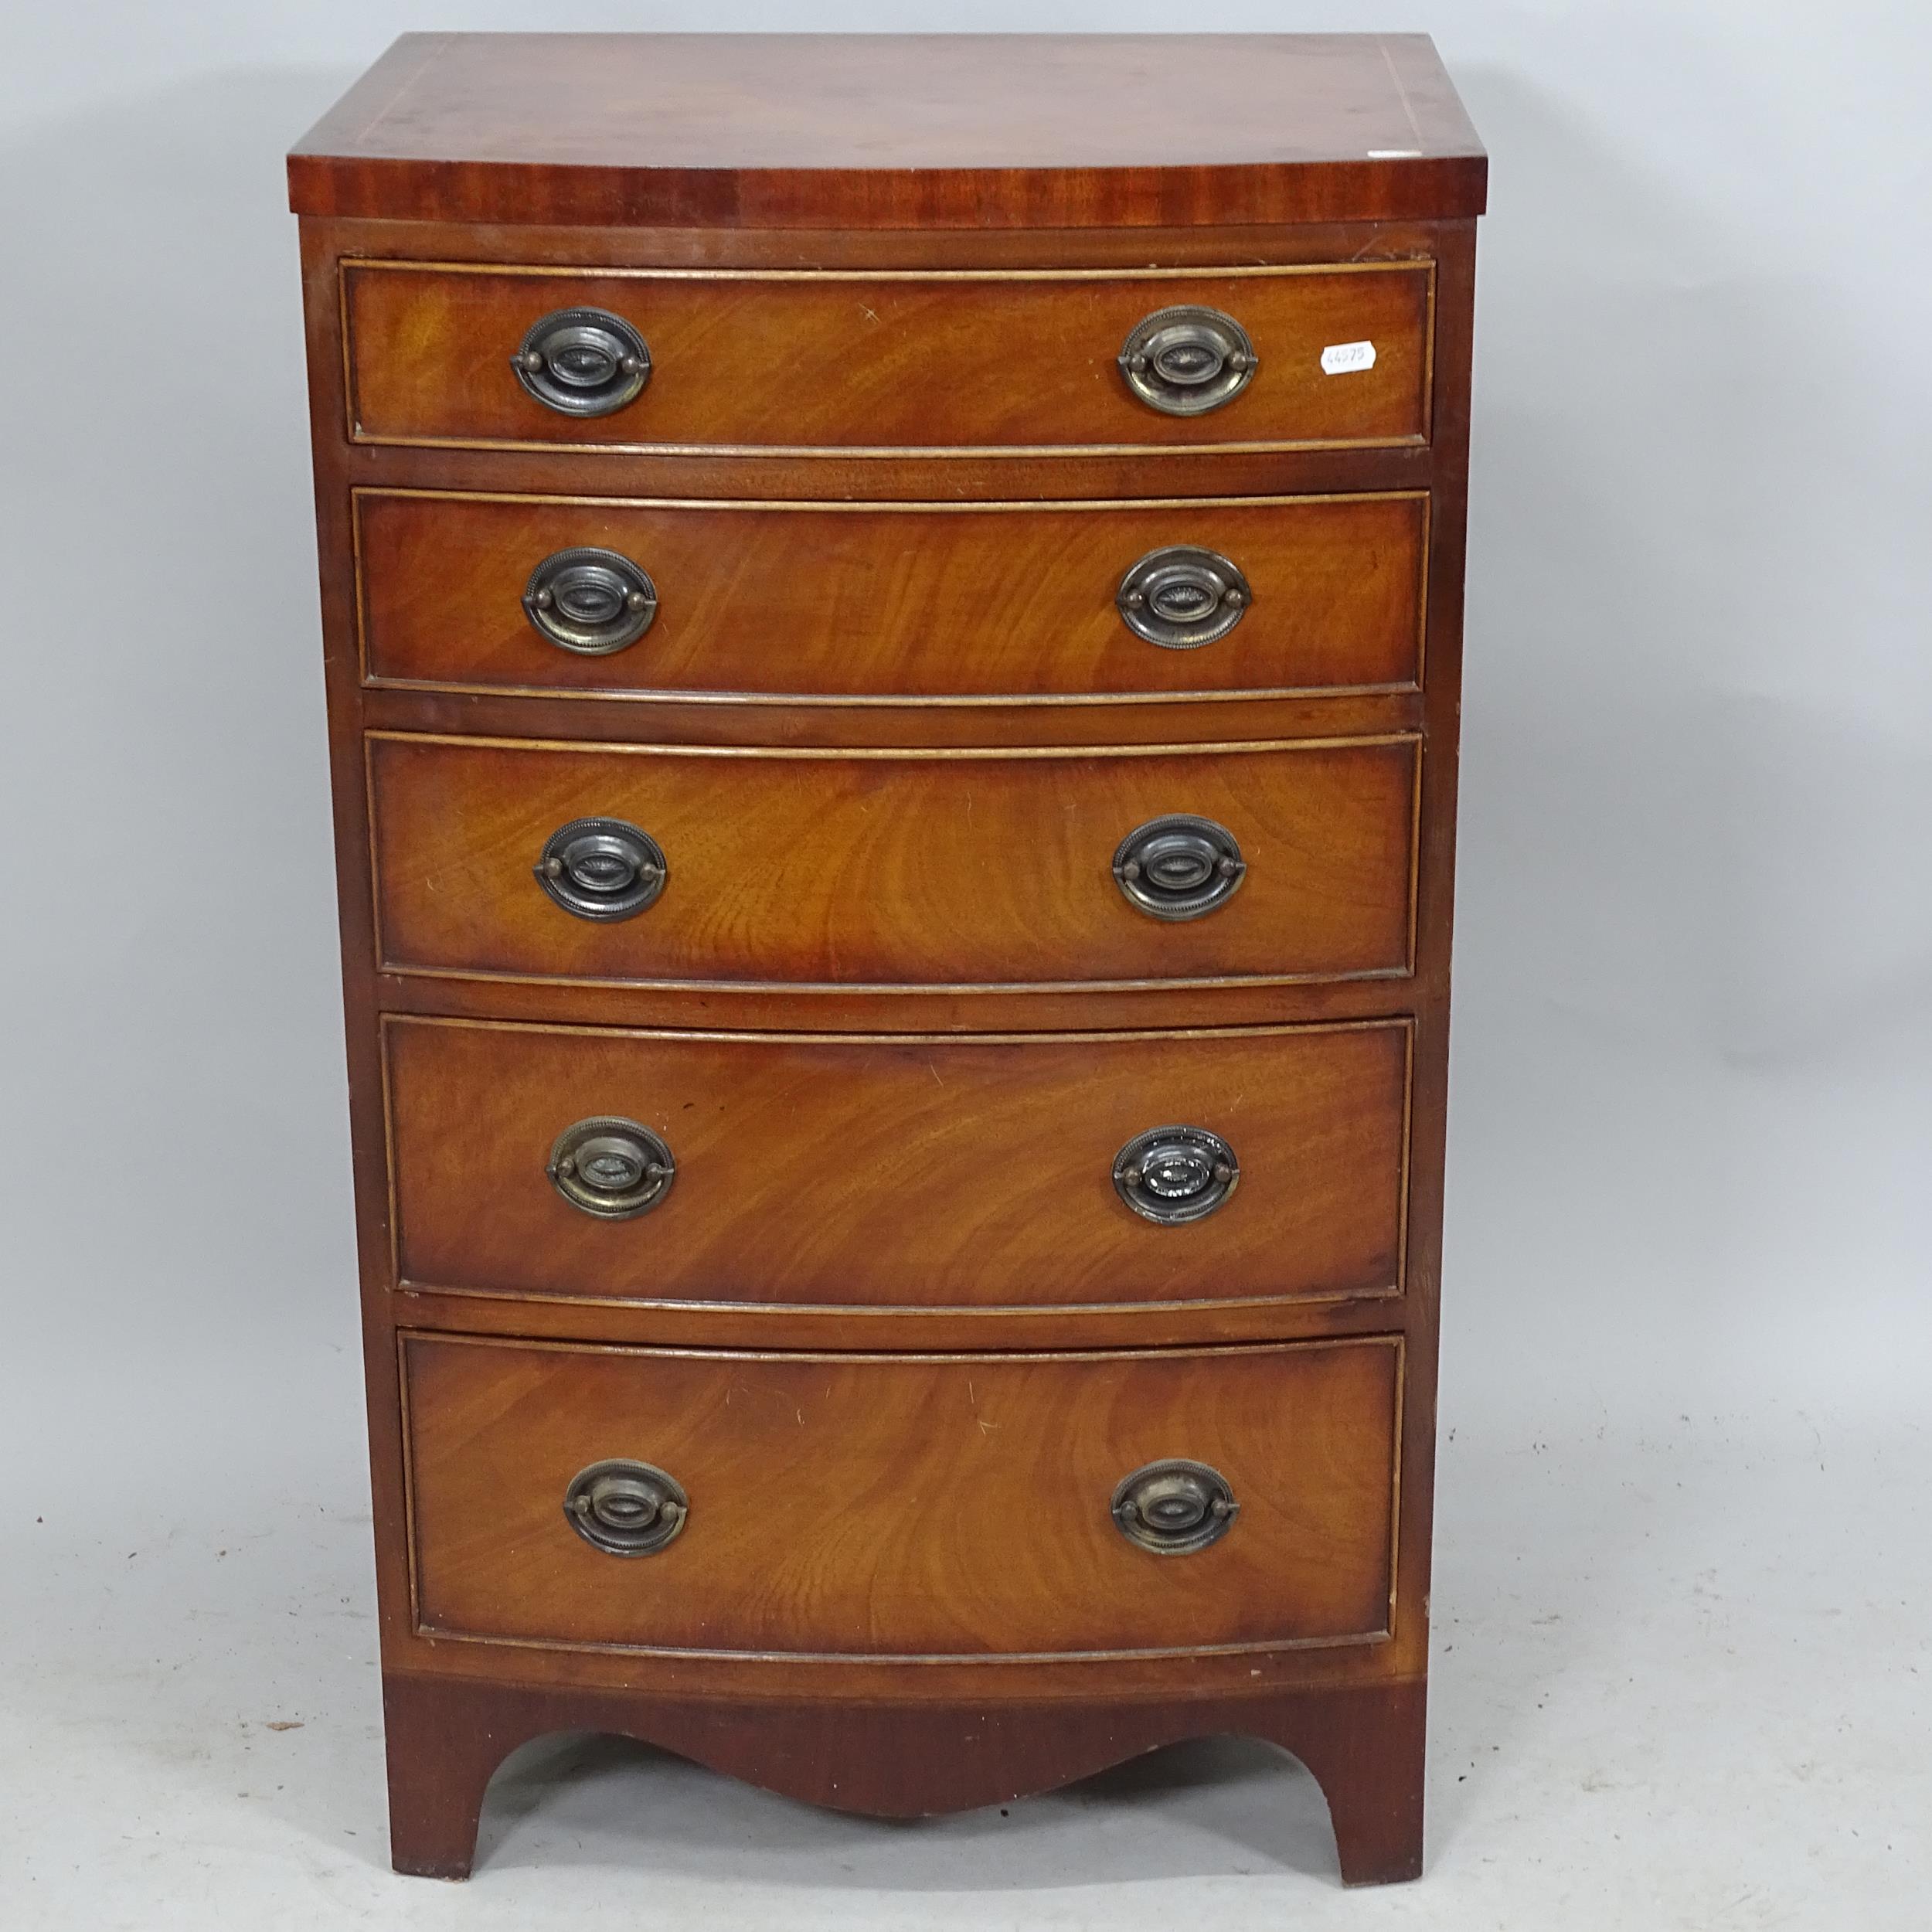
(1343, 359)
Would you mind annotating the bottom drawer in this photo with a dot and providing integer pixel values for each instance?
(957, 1506)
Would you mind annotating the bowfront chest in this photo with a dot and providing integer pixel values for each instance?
(892, 623)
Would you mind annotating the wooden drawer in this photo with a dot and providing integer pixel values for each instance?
(964, 1172)
(884, 1507)
(867, 601)
(853, 869)
(785, 362)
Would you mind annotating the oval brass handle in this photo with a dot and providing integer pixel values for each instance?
(602, 869)
(583, 362)
(1172, 1175)
(1174, 1506)
(611, 1168)
(1182, 597)
(626, 1508)
(592, 602)
(1179, 867)
(1186, 361)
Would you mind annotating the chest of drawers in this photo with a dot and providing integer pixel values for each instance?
(892, 624)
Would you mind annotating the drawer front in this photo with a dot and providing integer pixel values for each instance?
(888, 868)
(962, 1172)
(856, 363)
(870, 600)
(842, 1506)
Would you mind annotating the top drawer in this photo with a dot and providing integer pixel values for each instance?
(792, 362)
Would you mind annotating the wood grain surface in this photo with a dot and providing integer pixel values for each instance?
(971, 1172)
(902, 1506)
(972, 132)
(1364, 1744)
(868, 869)
(940, 601)
(851, 258)
(777, 361)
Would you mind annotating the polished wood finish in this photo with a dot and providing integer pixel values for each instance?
(903, 1506)
(828, 474)
(977, 868)
(446, 1735)
(890, 725)
(1201, 1317)
(434, 166)
(940, 601)
(1024, 361)
(867, 130)
(975, 1171)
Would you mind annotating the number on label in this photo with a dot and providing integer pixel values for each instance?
(1344, 359)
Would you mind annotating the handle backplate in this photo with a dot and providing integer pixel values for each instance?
(1179, 867)
(583, 362)
(592, 602)
(1175, 1507)
(1172, 1175)
(611, 1168)
(626, 1508)
(1187, 361)
(1182, 597)
(602, 869)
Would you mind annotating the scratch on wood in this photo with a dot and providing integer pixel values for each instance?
(972, 1395)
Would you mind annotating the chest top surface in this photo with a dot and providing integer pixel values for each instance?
(825, 131)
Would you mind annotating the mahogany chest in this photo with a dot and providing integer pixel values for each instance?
(893, 622)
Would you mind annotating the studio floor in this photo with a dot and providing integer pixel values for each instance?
(1681, 1681)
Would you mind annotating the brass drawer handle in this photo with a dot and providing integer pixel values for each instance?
(1179, 867)
(626, 1508)
(602, 869)
(611, 1168)
(592, 602)
(1174, 1507)
(1186, 361)
(1171, 1175)
(583, 362)
(1182, 597)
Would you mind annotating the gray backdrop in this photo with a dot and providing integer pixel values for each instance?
(1689, 1138)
